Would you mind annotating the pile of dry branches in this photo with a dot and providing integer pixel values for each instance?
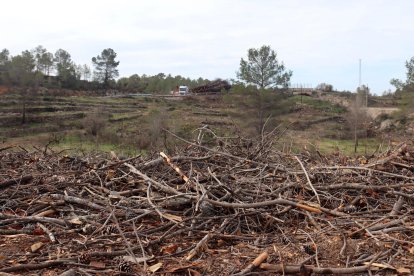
(236, 208)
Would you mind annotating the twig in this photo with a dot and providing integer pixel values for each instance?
(313, 221)
(129, 250)
(306, 269)
(397, 206)
(256, 263)
(277, 167)
(119, 163)
(365, 228)
(309, 182)
(48, 232)
(140, 244)
(158, 185)
(175, 167)
(201, 245)
(315, 247)
(388, 224)
(363, 169)
(169, 217)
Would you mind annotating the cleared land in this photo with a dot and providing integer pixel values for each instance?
(237, 208)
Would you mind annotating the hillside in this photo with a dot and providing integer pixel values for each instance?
(131, 125)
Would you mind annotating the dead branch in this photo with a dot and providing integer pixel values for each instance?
(7, 147)
(175, 167)
(48, 232)
(201, 245)
(245, 198)
(256, 263)
(308, 269)
(397, 206)
(70, 272)
(307, 178)
(7, 219)
(18, 181)
(29, 267)
(155, 183)
(77, 200)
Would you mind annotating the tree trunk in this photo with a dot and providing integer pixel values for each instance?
(355, 138)
(261, 113)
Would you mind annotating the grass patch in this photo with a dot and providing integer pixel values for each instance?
(120, 116)
(299, 143)
(366, 146)
(75, 143)
(317, 104)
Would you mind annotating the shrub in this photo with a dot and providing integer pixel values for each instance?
(94, 123)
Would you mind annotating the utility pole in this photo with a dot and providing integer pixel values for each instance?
(359, 85)
(365, 88)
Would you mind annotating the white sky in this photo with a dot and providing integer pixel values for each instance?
(319, 40)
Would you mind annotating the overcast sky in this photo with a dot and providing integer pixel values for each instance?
(319, 40)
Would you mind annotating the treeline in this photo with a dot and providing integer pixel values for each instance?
(40, 68)
(159, 83)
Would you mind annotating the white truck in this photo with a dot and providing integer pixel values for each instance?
(183, 90)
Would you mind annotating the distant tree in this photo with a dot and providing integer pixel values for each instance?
(156, 83)
(105, 66)
(410, 71)
(65, 68)
(4, 57)
(387, 93)
(201, 81)
(160, 76)
(363, 95)
(409, 83)
(398, 84)
(160, 83)
(21, 70)
(44, 60)
(122, 83)
(86, 70)
(358, 118)
(21, 73)
(259, 108)
(262, 68)
(325, 87)
(4, 62)
(134, 82)
(78, 71)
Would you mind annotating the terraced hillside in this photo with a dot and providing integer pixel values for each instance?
(103, 123)
(132, 125)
